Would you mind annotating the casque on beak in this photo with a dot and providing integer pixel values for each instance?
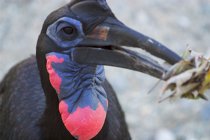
(104, 46)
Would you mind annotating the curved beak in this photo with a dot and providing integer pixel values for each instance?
(108, 43)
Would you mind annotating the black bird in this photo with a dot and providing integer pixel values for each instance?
(62, 93)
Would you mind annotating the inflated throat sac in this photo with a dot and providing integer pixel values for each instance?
(83, 101)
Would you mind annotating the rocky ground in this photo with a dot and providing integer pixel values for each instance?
(176, 23)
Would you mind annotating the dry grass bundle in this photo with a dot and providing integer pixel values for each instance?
(189, 78)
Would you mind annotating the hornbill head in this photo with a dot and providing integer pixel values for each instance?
(75, 42)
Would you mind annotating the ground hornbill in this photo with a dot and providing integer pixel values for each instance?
(62, 93)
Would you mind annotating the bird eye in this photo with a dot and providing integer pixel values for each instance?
(68, 30)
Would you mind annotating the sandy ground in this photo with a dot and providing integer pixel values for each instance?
(176, 23)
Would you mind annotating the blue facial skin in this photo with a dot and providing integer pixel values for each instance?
(54, 30)
(81, 85)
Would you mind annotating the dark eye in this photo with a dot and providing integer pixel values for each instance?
(68, 30)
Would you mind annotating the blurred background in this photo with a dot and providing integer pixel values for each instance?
(176, 23)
